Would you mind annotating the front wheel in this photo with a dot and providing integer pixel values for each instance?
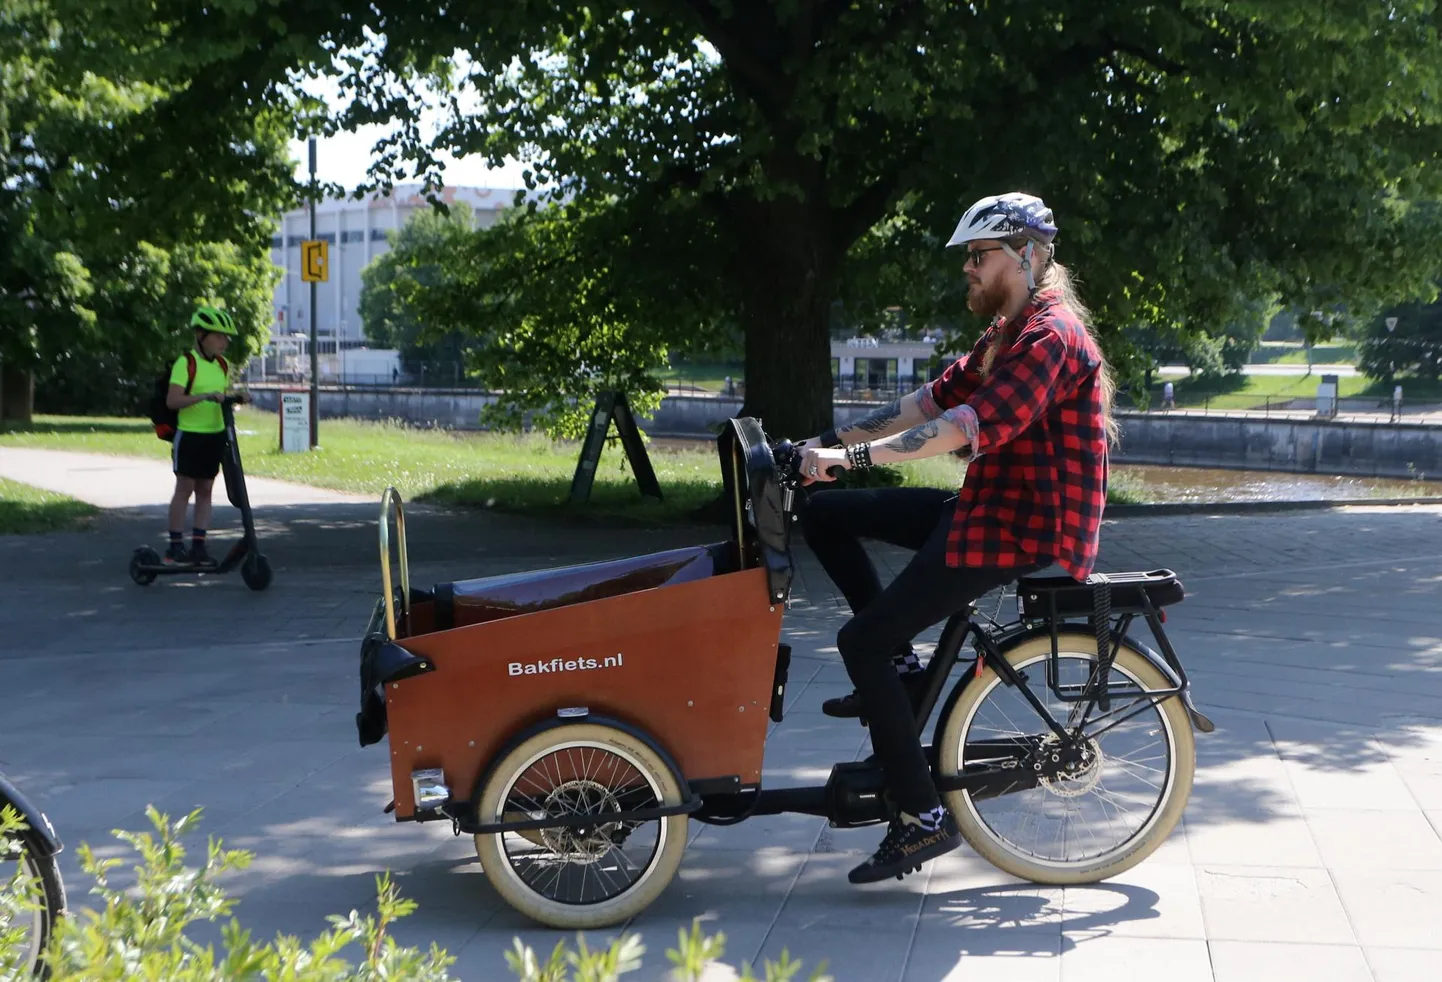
(23, 851)
(581, 876)
(255, 571)
(1101, 809)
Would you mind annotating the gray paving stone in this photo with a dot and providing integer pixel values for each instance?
(1402, 964)
(1259, 903)
(1309, 848)
(1255, 961)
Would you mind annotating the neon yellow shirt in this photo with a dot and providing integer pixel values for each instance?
(203, 417)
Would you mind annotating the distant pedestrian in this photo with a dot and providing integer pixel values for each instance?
(1396, 404)
(1169, 397)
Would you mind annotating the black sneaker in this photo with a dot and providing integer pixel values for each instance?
(906, 846)
(849, 705)
(199, 557)
(176, 555)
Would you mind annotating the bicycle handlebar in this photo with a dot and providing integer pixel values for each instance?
(788, 460)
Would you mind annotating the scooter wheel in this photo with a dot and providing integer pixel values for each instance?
(142, 557)
(255, 571)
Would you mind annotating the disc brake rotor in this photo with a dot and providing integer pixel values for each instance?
(1069, 773)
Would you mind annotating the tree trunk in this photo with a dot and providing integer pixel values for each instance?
(17, 394)
(787, 286)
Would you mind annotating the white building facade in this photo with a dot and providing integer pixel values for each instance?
(357, 231)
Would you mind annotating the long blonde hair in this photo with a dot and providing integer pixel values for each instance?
(1057, 279)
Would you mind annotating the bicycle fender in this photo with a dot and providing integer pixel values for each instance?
(32, 816)
(554, 722)
(1014, 638)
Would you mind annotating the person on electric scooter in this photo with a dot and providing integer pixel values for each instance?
(200, 434)
(1030, 408)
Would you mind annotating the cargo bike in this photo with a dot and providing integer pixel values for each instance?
(576, 720)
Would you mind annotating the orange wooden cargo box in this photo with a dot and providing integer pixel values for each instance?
(682, 645)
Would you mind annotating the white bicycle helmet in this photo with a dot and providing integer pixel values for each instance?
(1006, 216)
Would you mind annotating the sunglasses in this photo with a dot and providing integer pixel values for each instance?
(976, 256)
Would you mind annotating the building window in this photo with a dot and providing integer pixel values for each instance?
(326, 237)
(294, 241)
(277, 241)
(875, 373)
(378, 235)
(355, 235)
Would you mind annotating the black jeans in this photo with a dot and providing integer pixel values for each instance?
(926, 592)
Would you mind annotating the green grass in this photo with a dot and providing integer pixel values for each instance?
(528, 474)
(1334, 354)
(707, 376)
(1293, 353)
(25, 510)
(1255, 391)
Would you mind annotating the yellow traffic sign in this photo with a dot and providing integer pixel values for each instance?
(315, 261)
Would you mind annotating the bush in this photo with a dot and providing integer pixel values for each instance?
(141, 933)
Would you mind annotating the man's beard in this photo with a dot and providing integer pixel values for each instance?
(983, 302)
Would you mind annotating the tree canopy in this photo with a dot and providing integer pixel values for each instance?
(388, 282)
(1412, 348)
(109, 231)
(1200, 155)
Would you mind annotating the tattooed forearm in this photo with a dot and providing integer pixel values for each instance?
(915, 438)
(925, 439)
(878, 421)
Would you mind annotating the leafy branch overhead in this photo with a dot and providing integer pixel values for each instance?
(1200, 155)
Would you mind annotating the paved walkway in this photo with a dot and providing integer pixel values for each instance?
(111, 481)
(1310, 849)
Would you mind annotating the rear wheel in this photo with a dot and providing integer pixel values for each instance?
(1075, 820)
(583, 876)
(140, 558)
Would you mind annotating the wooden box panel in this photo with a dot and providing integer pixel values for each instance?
(691, 664)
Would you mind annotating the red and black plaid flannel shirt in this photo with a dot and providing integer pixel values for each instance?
(1035, 491)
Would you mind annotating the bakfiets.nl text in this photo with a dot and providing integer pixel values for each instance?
(563, 665)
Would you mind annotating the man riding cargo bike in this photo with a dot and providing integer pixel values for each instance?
(1063, 753)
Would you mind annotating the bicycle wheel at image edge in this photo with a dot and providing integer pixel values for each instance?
(41, 922)
(586, 876)
(1090, 820)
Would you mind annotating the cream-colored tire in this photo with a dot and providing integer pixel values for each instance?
(598, 767)
(1165, 732)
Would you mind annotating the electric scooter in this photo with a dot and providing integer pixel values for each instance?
(145, 562)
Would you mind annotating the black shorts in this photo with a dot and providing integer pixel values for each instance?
(197, 455)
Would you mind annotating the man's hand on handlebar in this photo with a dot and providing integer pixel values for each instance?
(821, 465)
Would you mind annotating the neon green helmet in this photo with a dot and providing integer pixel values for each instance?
(208, 318)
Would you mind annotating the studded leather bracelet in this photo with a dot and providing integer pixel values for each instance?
(859, 456)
